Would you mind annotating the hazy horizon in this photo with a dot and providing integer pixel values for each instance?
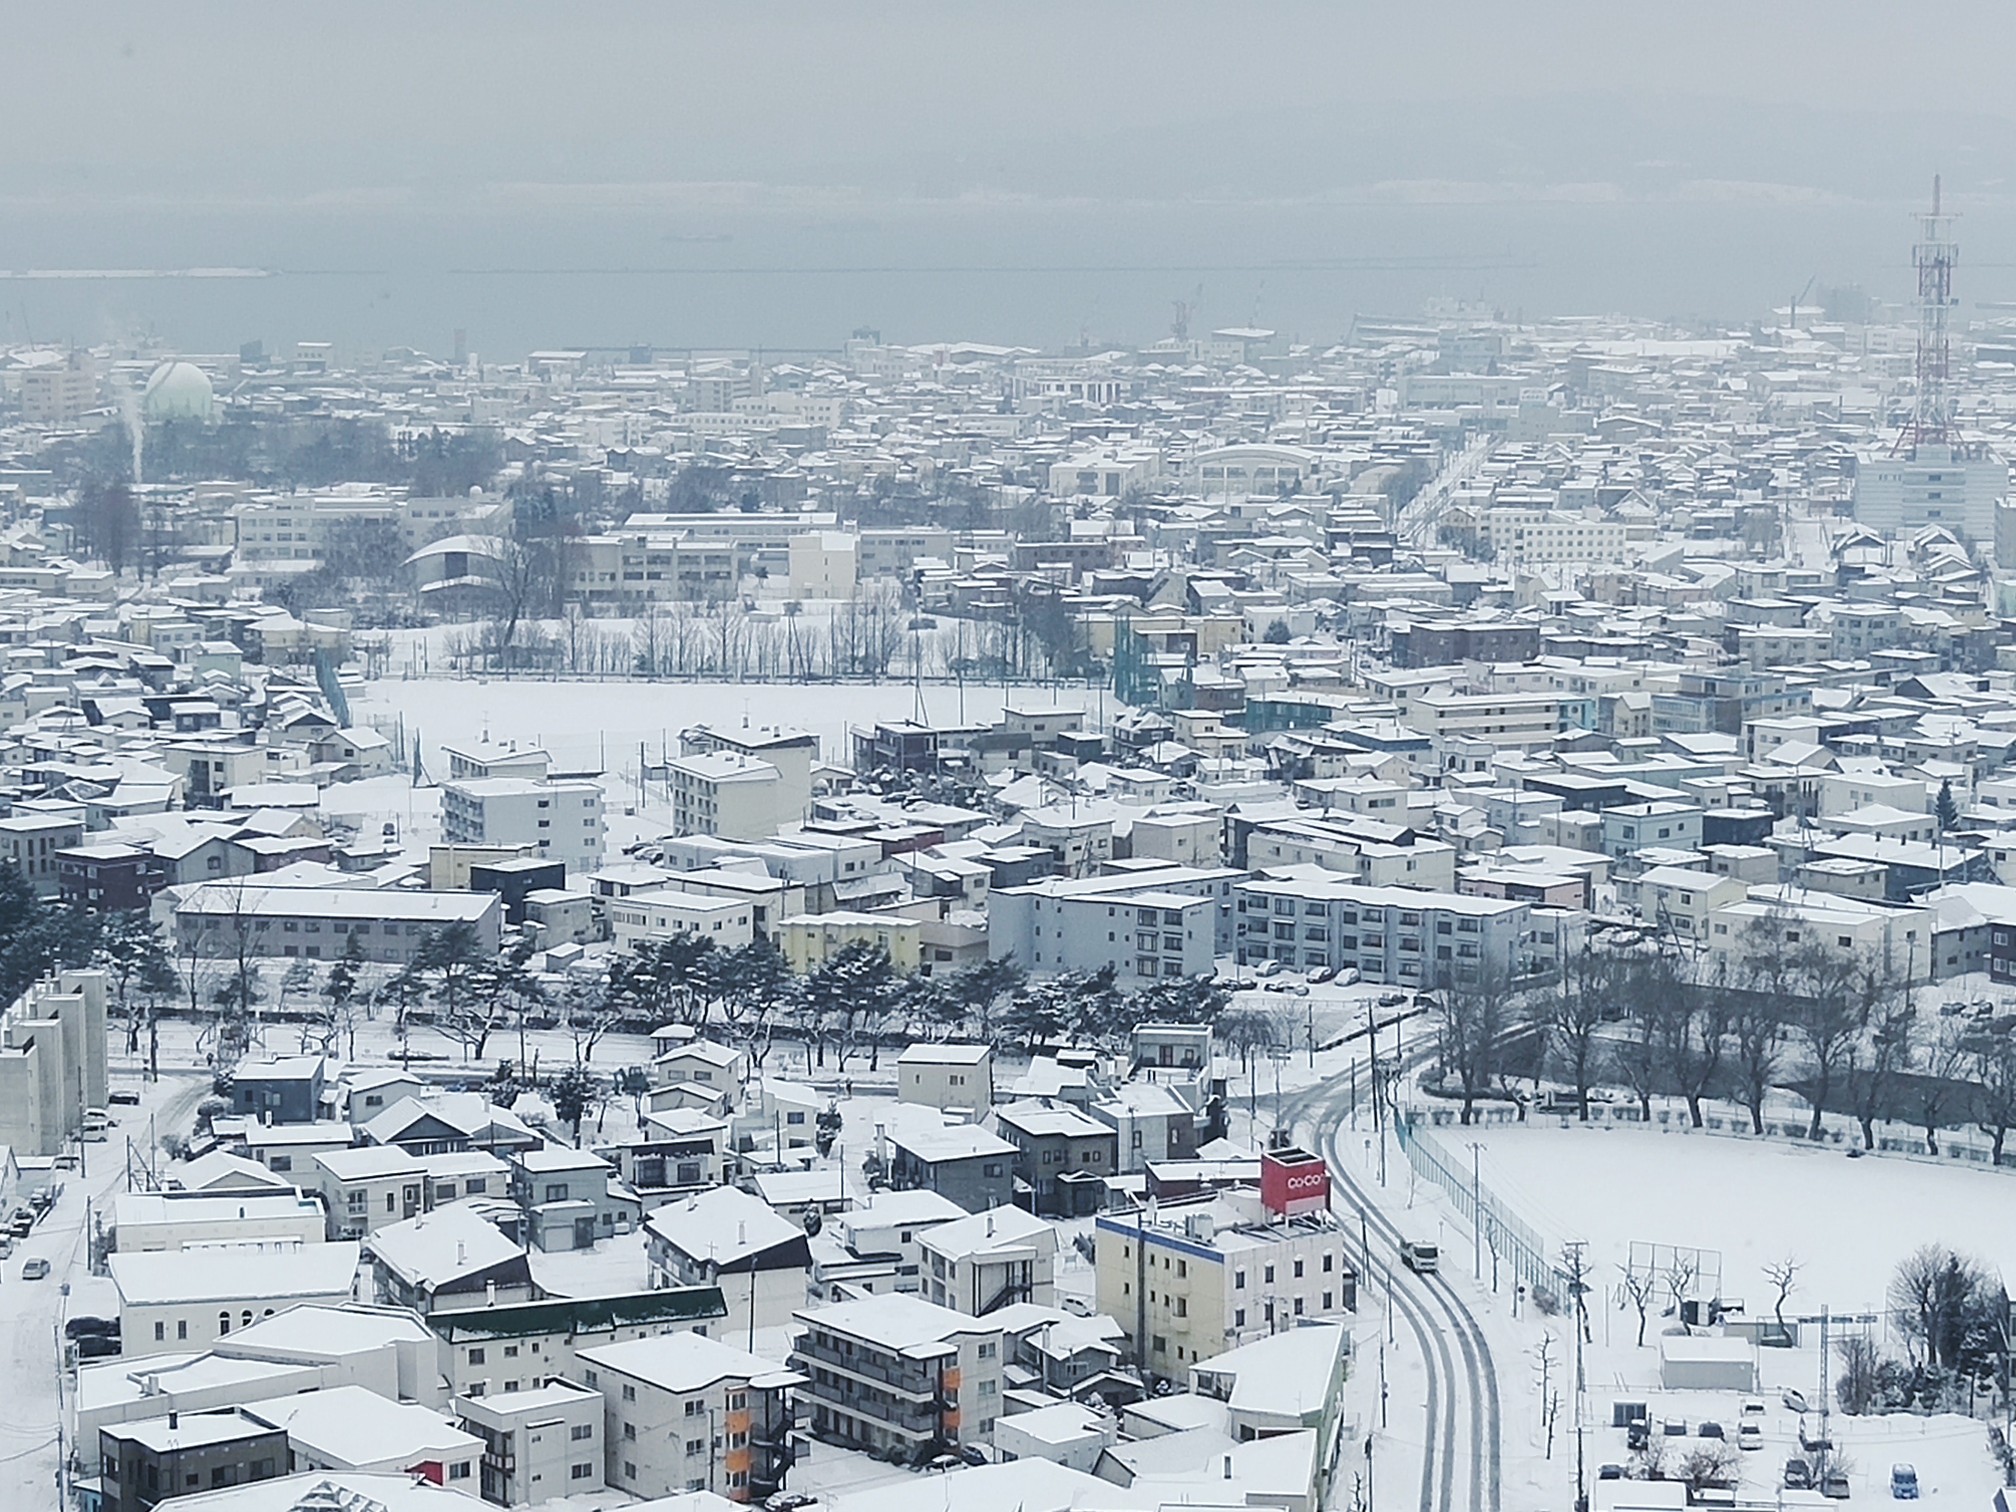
(778, 177)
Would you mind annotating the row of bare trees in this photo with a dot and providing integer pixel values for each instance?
(1846, 1030)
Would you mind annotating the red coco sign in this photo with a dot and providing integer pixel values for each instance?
(1293, 1181)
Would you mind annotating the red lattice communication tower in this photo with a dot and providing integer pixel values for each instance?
(1934, 256)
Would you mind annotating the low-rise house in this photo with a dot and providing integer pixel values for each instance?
(968, 1164)
(986, 1261)
(286, 1091)
(714, 1071)
(680, 1150)
(365, 1093)
(539, 1442)
(290, 1150)
(450, 1122)
(729, 1239)
(688, 1413)
(144, 1463)
(897, 1375)
(875, 1248)
(949, 1077)
(369, 1188)
(188, 1299)
(1062, 1157)
(509, 1346)
(451, 1257)
(571, 1198)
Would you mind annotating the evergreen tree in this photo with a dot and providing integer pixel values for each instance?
(1944, 809)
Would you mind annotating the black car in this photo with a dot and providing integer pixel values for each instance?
(1610, 1472)
(83, 1324)
(1637, 1434)
(123, 1099)
(97, 1346)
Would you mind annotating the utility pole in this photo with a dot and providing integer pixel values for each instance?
(1578, 1289)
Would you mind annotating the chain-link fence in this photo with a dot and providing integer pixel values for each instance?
(1506, 1236)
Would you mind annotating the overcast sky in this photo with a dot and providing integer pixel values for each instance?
(568, 105)
(1010, 171)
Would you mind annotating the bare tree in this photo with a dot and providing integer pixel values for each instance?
(1991, 1063)
(1641, 1286)
(1937, 1086)
(1713, 1463)
(1682, 1271)
(1828, 1015)
(1573, 1017)
(1783, 1276)
(1476, 1014)
(1550, 1399)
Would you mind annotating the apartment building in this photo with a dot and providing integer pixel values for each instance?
(987, 1261)
(1395, 936)
(491, 1347)
(686, 1413)
(539, 1443)
(809, 941)
(899, 1376)
(143, 1222)
(1199, 1276)
(52, 1061)
(659, 913)
(560, 818)
(317, 923)
(33, 844)
(729, 794)
(1086, 924)
(794, 753)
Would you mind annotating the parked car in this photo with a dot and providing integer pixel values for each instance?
(1904, 1482)
(1834, 1486)
(1798, 1475)
(1753, 1409)
(1637, 1434)
(35, 1270)
(1749, 1436)
(124, 1099)
(97, 1346)
(1609, 1472)
(1674, 1428)
(1392, 999)
(1710, 1431)
(84, 1324)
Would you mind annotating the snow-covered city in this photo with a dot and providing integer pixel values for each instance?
(1254, 910)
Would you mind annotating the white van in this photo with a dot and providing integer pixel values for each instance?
(1419, 1256)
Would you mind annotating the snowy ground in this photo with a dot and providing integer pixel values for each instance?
(1846, 1221)
(600, 725)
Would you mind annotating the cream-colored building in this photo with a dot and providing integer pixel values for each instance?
(728, 794)
(1203, 1276)
(810, 940)
(824, 564)
(666, 911)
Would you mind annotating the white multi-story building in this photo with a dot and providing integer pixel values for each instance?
(1147, 925)
(539, 1443)
(562, 817)
(896, 1374)
(687, 1413)
(665, 911)
(729, 794)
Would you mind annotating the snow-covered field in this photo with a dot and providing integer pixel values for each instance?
(591, 724)
(1848, 1222)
